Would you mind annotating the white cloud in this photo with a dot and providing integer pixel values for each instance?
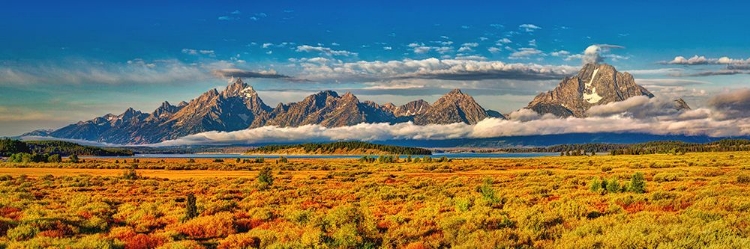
(703, 60)
(596, 53)
(560, 53)
(529, 27)
(324, 50)
(197, 52)
(525, 53)
(503, 41)
(468, 47)
(432, 68)
(522, 123)
(136, 71)
(494, 50)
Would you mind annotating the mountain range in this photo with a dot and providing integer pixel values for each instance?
(239, 107)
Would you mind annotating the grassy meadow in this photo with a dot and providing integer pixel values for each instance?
(648, 201)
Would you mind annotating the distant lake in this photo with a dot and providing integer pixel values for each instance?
(435, 155)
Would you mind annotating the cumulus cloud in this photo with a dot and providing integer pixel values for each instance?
(529, 27)
(703, 60)
(560, 53)
(596, 53)
(503, 41)
(421, 48)
(525, 53)
(324, 50)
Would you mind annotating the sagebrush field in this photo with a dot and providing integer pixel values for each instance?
(692, 200)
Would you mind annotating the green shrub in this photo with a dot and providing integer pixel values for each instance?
(22, 232)
(613, 186)
(265, 178)
(595, 184)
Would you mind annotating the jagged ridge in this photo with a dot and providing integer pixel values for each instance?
(239, 107)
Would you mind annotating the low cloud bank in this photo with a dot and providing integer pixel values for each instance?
(727, 115)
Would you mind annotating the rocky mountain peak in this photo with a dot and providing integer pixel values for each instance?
(348, 96)
(237, 88)
(129, 113)
(595, 84)
(166, 108)
(454, 107)
(165, 105)
(681, 104)
(416, 107)
(455, 92)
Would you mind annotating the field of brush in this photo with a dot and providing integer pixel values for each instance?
(665, 201)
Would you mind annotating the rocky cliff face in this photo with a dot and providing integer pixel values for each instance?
(325, 108)
(454, 107)
(595, 84)
(417, 107)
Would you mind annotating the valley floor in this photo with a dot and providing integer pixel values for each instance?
(692, 200)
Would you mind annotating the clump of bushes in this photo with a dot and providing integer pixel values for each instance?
(637, 184)
(265, 178)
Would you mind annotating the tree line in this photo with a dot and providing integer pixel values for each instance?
(347, 146)
(52, 151)
(654, 147)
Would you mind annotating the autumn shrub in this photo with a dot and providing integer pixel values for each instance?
(182, 244)
(22, 232)
(241, 240)
(130, 174)
(667, 177)
(207, 227)
(743, 178)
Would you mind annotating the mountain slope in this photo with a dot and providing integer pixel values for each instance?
(454, 107)
(595, 84)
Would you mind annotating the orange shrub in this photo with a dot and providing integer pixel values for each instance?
(133, 240)
(207, 227)
(239, 241)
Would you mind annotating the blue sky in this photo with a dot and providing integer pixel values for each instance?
(62, 62)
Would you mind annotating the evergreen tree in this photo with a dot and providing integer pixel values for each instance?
(191, 210)
(638, 183)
